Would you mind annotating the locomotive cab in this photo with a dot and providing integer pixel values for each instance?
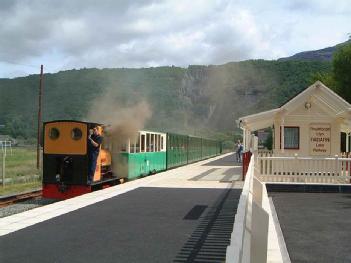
(66, 160)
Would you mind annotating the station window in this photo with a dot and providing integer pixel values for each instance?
(291, 138)
(344, 137)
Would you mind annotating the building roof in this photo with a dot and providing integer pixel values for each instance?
(317, 93)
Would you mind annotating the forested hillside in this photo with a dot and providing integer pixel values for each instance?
(196, 100)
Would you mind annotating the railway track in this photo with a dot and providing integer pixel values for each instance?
(11, 199)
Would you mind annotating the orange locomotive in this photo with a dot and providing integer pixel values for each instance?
(66, 161)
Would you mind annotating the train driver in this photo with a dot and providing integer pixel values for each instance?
(94, 142)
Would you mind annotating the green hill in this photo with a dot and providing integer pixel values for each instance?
(196, 100)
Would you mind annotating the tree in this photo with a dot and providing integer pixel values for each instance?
(327, 79)
(342, 71)
(16, 126)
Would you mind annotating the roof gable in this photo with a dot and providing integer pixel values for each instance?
(319, 94)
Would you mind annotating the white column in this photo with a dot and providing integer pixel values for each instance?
(273, 138)
(248, 138)
(282, 135)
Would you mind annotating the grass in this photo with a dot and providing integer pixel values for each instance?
(22, 162)
(19, 188)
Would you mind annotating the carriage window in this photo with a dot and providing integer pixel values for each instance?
(148, 142)
(124, 147)
(155, 143)
(137, 146)
(54, 133)
(142, 143)
(132, 148)
(152, 144)
(158, 143)
(76, 134)
(161, 143)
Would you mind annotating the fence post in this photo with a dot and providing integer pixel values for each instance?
(296, 168)
(337, 166)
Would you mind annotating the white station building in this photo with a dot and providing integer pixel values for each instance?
(310, 124)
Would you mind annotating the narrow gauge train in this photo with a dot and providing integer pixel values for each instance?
(65, 157)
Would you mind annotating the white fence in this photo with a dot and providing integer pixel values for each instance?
(304, 169)
(4, 145)
(250, 232)
(249, 239)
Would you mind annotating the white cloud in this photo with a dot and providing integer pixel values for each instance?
(66, 34)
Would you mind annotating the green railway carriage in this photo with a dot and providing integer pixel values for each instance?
(210, 148)
(144, 156)
(182, 149)
(177, 150)
(152, 152)
(195, 149)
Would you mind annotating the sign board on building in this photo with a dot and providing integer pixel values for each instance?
(320, 139)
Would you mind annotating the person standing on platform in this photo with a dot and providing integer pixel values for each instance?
(94, 143)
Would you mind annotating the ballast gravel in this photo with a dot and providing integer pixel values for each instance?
(24, 206)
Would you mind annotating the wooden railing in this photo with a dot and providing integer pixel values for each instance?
(304, 169)
(265, 152)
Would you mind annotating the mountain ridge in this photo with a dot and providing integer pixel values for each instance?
(324, 54)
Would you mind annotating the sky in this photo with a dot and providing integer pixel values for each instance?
(69, 34)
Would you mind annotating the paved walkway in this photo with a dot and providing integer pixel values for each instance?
(182, 215)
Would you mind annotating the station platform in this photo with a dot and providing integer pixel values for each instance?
(181, 215)
(315, 225)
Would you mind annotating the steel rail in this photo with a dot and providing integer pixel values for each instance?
(11, 199)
